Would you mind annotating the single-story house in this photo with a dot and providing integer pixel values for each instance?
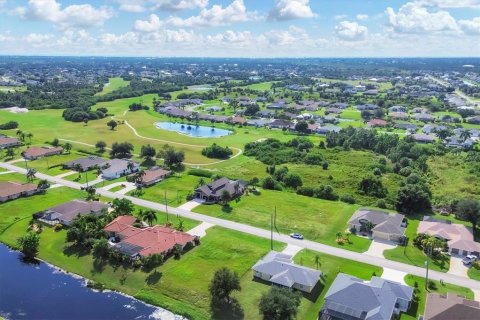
(7, 142)
(397, 109)
(333, 110)
(327, 129)
(384, 225)
(153, 176)
(473, 120)
(86, 163)
(278, 268)
(13, 190)
(212, 192)
(456, 141)
(377, 123)
(67, 212)
(213, 109)
(141, 242)
(432, 128)
(420, 110)
(423, 138)
(398, 115)
(425, 117)
(33, 153)
(406, 126)
(351, 298)
(459, 237)
(367, 106)
(117, 168)
(280, 124)
(449, 307)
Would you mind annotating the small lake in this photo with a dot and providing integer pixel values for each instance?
(193, 130)
(41, 291)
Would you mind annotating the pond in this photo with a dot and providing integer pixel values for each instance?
(193, 130)
(41, 291)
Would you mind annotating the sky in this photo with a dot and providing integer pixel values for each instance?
(241, 28)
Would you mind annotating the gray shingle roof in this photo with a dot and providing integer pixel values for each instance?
(383, 221)
(284, 272)
(355, 299)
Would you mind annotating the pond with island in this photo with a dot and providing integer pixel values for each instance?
(193, 130)
(42, 291)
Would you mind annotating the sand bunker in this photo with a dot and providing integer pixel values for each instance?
(17, 110)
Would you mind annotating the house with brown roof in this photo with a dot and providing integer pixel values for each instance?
(212, 192)
(459, 237)
(13, 190)
(377, 123)
(152, 176)
(33, 153)
(66, 212)
(8, 142)
(449, 307)
(141, 242)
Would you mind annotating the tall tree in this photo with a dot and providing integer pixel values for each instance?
(469, 210)
(101, 145)
(122, 206)
(224, 282)
(112, 124)
(28, 244)
(279, 304)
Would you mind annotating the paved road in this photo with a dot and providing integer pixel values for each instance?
(381, 262)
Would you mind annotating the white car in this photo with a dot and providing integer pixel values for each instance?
(468, 260)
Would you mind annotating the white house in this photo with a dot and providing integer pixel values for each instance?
(117, 168)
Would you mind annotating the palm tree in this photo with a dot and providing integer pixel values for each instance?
(149, 216)
(10, 152)
(130, 166)
(19, 132)
(180, 226)
(466, 134)
(91, 192)
(317, 261)
(225, 197)
(442, 134)
(139, 176)
(78, 168)
(338, 235)
(30, 136)
(31, 172)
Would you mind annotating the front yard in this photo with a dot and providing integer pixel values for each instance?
(318, 220)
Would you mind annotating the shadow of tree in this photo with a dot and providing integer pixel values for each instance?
(98, 265)
(227, 311)
(77, 250)
(227, 209)
(153, 278)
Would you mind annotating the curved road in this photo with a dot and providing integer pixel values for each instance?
(307, 244)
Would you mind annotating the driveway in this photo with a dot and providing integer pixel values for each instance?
(291, 249)
(201, 229)
(66, 174)
(190, 205)
(378, 246)
(394, 275)
(457, 267)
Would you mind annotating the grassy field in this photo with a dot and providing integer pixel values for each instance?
(474, 274)
(414, 256)
(318, 220)
(176, 187)
(13, 89)
(418, 307)
(112, 85)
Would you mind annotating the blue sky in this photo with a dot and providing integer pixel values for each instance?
(241, 28)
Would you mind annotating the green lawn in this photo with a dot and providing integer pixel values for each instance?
(351, 113)
(113, 84)
(474, 274)
(318, 220)
(176, 187)
(418, 306)
(414, 256)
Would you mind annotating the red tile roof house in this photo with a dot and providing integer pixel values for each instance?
(141, 242)
(7, 142)
(33, 153)
(13, 190)
(377, 123)
(153, 176)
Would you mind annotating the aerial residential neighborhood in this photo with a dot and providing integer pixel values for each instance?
(240, 160)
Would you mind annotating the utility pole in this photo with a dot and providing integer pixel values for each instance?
(86, 177)
(166, 204)
(426, 275)
(271, 232)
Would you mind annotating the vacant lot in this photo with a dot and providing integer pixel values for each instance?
(316, 219)
(112, 85)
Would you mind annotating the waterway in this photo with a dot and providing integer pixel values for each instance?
(42, 291)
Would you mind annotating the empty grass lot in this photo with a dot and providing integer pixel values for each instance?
(112, 85)
(318, 220)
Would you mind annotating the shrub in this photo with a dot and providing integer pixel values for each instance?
(9, 125)
(347, 198)
(432, 285)
(58, 227)
(325, 165)
(216, 151)
(200, 173)
(381, 204)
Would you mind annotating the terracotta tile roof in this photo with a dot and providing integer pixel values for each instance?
(154, 174)
(11, 188)
(8, 141)
(35, 152)
(120, 223)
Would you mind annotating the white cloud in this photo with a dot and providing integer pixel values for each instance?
(83, 15)
(291, 9)
(151, 25)
(350, 31)
(177, 5)
(471, 27)
(414, 18)
(340, 17)
(6, 37)
(132, 7)
(216, 16)
(362, 17)
(38, 37)
(451, 3)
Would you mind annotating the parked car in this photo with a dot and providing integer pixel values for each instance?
(296, 236)
(468, 260)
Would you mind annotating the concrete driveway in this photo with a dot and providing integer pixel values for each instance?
(378, 246)
(201, 229)
(190, 205)
(291, 250)
(457, 267)
(394, 275)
